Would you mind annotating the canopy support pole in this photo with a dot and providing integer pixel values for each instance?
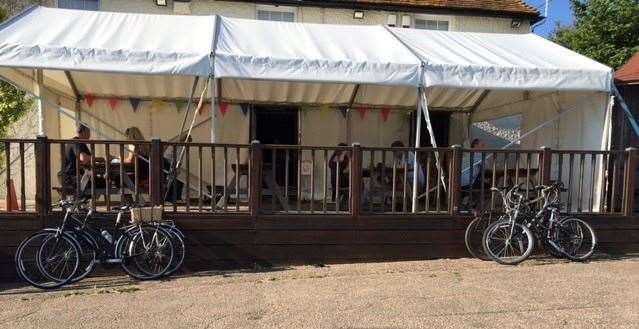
(188, 108)
(433, 141)
(41, 101)
(418, 136)
(626, 110)
(349, 123)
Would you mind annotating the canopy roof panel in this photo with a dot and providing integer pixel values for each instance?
(97, 41)
(264, 50)
(143, 55)
(502, 61)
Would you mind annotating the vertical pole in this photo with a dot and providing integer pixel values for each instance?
(356, 180)
(629, 181)
(255, 178)
(418, 136)
(43, 179)
(41, 101)
(212, 92)
(155, 179)
(544, 165)
(455, 178)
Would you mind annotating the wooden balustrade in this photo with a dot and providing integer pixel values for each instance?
(352, 180)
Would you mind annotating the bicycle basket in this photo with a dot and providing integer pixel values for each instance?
(146, 214)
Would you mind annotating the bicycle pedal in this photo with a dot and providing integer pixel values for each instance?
(112, 261)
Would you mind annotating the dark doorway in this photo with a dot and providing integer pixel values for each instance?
(277, 125)
(440, 122)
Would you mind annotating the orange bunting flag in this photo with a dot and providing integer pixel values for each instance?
(385, 114)
(113, 103)
(362, 112)
(89, 98)
(224, 107)
(202, 108)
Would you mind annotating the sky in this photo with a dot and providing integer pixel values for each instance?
(558, 11)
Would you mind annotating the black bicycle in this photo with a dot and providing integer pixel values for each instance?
(511, 240)
(56, 256)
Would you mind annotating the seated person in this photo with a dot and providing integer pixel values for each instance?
(80, 153)
(470, 172)
(138, 153)
(401, 159)
(141, 154)
(342, 158)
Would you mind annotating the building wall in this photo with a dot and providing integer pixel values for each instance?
(312, 14)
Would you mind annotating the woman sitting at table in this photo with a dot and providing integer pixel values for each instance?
(400, 157)
(339, 165)
(138, 153)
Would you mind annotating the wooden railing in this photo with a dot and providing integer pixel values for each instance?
(257, 179)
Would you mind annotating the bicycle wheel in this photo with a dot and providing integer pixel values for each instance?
(88, 255)
(179, 249)
(576, 239)
(47, 259)
(506, 248)
(146, 252)
(475, 233)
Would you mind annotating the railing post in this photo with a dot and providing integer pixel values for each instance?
(42, 175)
(356, 180)
(455, 179)
(545, 162)
(155, 179)
(255, 177)
(629, 181)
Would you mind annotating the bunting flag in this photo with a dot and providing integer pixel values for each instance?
(157, 104)
(245, 108)
(179, 104)
(344, 111)
(89, 98)
(385, 114)
(362, 112)
(113, 103)
(135, 102)
(224, 106)
(324, 109)
(202, 108)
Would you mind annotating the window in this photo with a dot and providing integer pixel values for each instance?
(275, 15)
(427, 24)
(79, 4)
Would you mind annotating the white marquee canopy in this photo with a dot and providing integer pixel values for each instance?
(123, 54)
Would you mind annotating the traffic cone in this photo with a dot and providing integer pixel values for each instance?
(11, 200)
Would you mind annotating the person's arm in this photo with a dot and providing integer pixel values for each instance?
(83, 154)
(130, 155)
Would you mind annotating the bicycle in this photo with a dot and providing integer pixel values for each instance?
(143, 251)
(511, 240)
(483, 219)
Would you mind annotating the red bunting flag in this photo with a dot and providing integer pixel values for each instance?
(89, 99)
(362, 112)
(385, 114)
(113, 103)
(224, 107)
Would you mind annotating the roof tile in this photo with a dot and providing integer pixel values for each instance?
(629, 72)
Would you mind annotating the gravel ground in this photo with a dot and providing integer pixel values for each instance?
(461, 293)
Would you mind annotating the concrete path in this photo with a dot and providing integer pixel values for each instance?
(463, 293)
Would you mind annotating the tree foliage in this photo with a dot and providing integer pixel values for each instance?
(605, 30)
(13, 103)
